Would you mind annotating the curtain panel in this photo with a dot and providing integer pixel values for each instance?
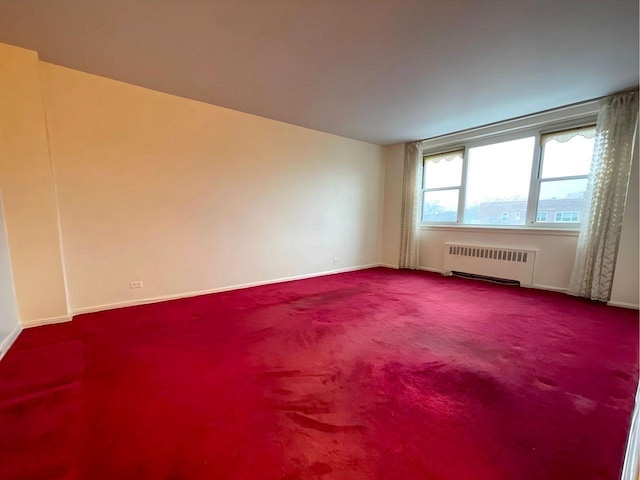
(605, 198)
(411, 202)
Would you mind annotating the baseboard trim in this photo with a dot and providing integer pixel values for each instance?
(45, 321)
(429, 269)
(630, 468)
(164, 298)
(240, 286)
(9, 340)
(535, 285)
(623, 305)
(550, 288)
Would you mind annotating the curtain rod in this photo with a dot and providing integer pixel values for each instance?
(522, 117)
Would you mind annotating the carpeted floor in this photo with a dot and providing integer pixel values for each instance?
(376, 374)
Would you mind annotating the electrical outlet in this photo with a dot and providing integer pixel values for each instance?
(136, 284)
(335, 261)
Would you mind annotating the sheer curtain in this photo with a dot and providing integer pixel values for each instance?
(410, 214)
(592, 275)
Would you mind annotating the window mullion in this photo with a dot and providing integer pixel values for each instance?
(439, 189)
(572, 177)
(534, 185)
(463, 186)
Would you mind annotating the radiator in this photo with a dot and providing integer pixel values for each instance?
(498, 262)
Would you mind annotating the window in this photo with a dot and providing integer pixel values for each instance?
(498, 179)
(535, 176)
(441, 186)
(565, 160)
(567, 216)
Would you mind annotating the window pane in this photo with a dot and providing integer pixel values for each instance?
(562, 199)
(444, 170)
(498, 177)
(568, 153)
(440, 206)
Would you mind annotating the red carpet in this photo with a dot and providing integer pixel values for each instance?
(376, 374)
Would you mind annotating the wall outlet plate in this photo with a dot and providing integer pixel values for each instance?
(136, 284)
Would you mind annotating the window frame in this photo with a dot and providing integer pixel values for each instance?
(521, 128)
(460, 187)
(539, 181)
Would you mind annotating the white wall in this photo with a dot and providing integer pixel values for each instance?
(554, 259)
(8, 308)
(28, 190)
(187, 197)
(626, 288)
(556, 249)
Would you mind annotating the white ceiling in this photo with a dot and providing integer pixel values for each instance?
(381, 71)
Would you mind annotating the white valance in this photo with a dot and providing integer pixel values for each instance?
(447, 157)
(567, 135)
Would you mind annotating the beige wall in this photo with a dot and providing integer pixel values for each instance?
(393, 172)
(28, 190)
(626, 288)
(186, 196)
(556, 250)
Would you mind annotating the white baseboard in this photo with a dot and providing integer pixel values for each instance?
(429, 269)
(9, 339)
(623, 304)
(44, 321)
(551, 288)
(424, 269)
(164, 298)
(630, 468)
(535, 285)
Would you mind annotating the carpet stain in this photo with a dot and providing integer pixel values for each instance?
(308, 422)
(280, 373)
(582, 404)
(544, 384)
(307, 409)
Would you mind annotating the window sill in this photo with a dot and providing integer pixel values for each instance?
(550, 232)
